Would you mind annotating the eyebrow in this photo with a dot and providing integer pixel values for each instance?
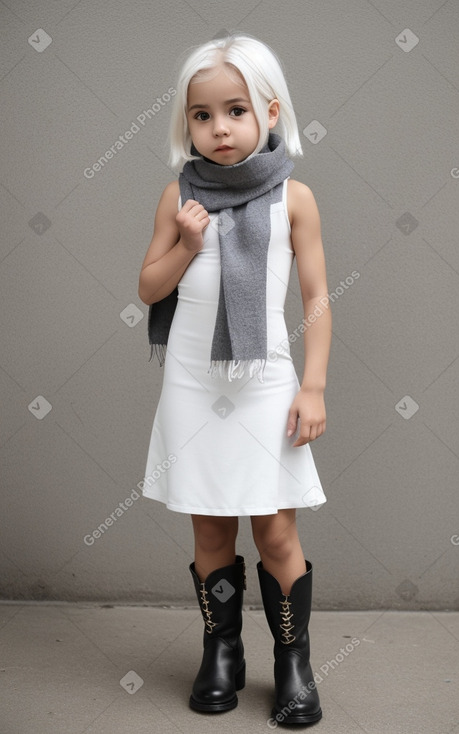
(228, 101)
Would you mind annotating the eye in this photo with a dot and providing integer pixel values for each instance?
(238, 111)
(198, 116)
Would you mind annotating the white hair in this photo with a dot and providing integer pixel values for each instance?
(264, 77)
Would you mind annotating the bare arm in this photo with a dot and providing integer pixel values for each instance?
(309, 406)
(177, 238)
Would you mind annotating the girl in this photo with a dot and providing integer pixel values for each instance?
(232, 428)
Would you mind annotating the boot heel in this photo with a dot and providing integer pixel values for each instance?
(240, 678)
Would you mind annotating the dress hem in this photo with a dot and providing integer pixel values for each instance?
(235, 512)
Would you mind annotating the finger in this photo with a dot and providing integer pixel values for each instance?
(189, 204)
(292, 422)
(321, 428)
(300, 441)
(304, 436)
(195, 210)
(200, 215)
(316, 431)
(191, 209)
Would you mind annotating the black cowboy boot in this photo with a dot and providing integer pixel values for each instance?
(222, 670)
(297, 700)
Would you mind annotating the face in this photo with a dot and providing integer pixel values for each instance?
(221, 120)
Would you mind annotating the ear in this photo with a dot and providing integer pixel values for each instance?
(273, 113)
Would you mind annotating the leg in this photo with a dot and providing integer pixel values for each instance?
(286, 588)
(214, 542)
(219, 580)
(277, 541)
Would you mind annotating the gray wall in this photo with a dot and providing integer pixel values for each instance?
(385, 176)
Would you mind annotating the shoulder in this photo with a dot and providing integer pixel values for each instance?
(168, 202)
(301, 203)
(172, 192)
(304, 218)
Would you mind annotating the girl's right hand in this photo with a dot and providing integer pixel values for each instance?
(191, 221)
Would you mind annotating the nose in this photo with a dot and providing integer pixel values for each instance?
(220, 126)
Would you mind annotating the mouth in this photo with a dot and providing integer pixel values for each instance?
(223, 148)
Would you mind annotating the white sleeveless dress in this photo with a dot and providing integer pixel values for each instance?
(219, 447)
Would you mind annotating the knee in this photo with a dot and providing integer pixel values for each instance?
(277, 546)
(212, 535)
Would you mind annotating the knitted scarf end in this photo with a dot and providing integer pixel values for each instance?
(160, 351)
(233, 369)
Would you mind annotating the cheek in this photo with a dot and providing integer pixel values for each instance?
(196, 128)
(194, 132)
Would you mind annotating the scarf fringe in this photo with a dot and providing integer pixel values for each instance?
(229, 369)
(160, 351)
(233, 369)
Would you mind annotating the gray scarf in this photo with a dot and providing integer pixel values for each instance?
(243, 194)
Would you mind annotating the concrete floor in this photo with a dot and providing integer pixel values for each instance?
(94, 669)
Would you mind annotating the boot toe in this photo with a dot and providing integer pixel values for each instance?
(213, 699)
(297, 699)
(286, 716)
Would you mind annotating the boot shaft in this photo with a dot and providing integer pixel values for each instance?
(220, 599)
(287, 614)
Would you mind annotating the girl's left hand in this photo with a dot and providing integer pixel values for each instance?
(309, 408)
